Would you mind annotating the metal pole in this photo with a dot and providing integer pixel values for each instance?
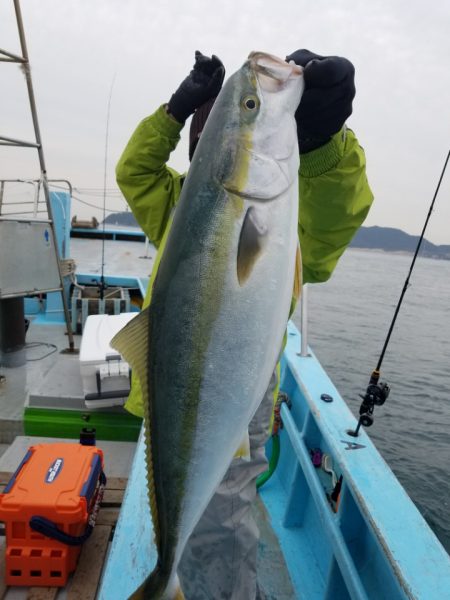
(36, 200)
(23, 212)
(10, 57)
(31, 97)
(2, 189)
(33, 181)
(7, 141)
(304, 321)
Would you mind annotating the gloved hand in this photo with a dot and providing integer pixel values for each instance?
(327, 100)
(202, 84)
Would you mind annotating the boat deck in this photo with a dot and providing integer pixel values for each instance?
(121, 257)
(84, 582)
(28, 378)
(50, 377)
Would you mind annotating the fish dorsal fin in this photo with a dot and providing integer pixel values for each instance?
(132, 343)
(297, 274)
(251, 244)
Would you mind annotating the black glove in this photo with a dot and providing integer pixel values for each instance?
(202, 84)
(327, 100)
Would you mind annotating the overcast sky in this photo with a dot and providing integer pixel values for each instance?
(400, 49)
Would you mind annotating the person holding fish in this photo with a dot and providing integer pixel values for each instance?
(242, 164)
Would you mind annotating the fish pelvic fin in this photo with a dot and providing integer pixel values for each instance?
(298, 274)
(244, 449)
(157, 587)
(132, 343)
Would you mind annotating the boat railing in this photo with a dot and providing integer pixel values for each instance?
(16, 200)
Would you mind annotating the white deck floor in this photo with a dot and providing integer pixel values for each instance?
(121, 257)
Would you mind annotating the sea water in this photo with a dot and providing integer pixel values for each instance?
(348, 320)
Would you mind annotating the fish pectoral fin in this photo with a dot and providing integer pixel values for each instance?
(244, 449)
(132, 343)
(251, 243)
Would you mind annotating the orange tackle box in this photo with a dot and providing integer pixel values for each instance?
(49, 508)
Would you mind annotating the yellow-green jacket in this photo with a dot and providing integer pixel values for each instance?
(334, 198)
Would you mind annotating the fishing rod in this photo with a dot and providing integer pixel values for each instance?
(377, 392)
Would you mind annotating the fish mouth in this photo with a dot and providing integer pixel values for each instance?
(273, 71)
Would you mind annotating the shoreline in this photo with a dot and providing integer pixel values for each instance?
(397, 252)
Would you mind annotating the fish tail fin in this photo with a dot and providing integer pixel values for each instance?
(158, 587)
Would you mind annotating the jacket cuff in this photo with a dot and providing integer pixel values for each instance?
(165, 123)
(319, 161)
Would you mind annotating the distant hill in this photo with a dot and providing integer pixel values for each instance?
(374, 238)
(396, 240)
(121, 218)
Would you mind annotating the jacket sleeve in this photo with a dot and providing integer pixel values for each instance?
(149, 186)
(335, 198)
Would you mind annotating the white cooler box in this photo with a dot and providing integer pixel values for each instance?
(105, 375)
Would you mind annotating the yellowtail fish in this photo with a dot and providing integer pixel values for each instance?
(206, 347)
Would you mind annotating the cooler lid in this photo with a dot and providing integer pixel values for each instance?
(98, 331)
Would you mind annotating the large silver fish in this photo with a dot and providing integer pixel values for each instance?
(205, 349)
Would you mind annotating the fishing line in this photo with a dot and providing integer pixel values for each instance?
(102, 278)
(377, 392)
(110, 210)
(124, 33)
(405, 287)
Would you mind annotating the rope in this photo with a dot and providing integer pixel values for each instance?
(327, 466)
(68, 266)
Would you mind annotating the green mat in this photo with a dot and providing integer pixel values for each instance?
(116, 426)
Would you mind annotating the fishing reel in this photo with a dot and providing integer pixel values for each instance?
(376, 395)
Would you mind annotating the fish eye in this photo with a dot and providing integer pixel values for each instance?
(250, 102)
